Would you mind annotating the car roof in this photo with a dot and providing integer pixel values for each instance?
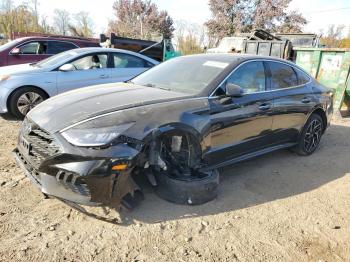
(236, 58)
(56, 38)
(87, 50)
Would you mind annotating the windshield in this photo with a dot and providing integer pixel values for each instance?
(56, 59)
(188, 74)
(9, 44)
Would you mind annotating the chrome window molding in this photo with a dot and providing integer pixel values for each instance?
(263, 60)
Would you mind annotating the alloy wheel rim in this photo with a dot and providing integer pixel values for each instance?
(313, 135)
(28, 101)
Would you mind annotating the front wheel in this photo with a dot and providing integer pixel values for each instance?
(311, 136)
(25, 99)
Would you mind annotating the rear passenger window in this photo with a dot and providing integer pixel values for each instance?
(56, 47)
(302, 77)
(129, 61)
(282, 76)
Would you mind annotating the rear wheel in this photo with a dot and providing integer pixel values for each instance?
(311, 136)
(25, 99)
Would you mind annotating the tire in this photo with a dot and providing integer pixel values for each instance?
(25, 99)
(194, 191)
(310, 137)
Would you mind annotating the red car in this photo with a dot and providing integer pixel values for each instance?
(33, 49)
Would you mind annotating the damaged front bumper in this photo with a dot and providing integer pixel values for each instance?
(82, 176)
(49, 185)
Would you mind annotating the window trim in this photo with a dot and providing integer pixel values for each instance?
(267, 89)
(41, 40)
(295, 70)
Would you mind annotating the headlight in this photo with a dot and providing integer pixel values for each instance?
(4, 77)
(94, 137)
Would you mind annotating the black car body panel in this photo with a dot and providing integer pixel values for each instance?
(219, 130)
(74, 107)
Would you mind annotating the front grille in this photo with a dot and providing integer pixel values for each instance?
(36, 144)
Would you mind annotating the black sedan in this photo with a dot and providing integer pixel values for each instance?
(175, 125)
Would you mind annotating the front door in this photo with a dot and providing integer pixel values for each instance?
(89, 70)
(240, 125)
(29, 52)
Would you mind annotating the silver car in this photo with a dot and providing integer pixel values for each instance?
(22, 87)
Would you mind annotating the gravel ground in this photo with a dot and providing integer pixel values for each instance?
(279, 207)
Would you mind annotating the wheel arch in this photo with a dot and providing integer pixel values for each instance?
(319, 111)
(153, 138)
(18, 88)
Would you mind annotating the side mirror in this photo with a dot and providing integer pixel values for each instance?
(233, 90)
(67, 68)
(15, 51)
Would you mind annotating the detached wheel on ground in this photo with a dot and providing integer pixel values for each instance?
(25, 99)
(195, 191)
(311, 136)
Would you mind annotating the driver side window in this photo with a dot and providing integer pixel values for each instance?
(250, 77)
(95, 61)
(33, 48)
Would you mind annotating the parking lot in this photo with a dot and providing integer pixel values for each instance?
(279, 207)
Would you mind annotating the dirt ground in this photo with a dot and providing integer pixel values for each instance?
(279, 207)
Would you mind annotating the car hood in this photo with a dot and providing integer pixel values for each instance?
(72, 107)
(20, 69)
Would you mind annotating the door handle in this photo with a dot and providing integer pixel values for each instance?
(264, 107)
(104, 76)
(306, 100)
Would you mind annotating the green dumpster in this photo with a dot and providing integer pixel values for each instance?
(330, 66)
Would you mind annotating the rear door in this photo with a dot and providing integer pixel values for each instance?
(293, 100)
(126, 66)
(29, 52)
(91, 69)
(241, 125)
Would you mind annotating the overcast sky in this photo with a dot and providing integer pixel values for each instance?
(319, 13)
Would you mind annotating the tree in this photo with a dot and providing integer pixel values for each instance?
(140, 19)
(34, 7)
(189, 37)
(17, 18)
(45, 26)
(83, 25)
(334, 37)
(237, 16)
(61, 21)
(345, 42)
